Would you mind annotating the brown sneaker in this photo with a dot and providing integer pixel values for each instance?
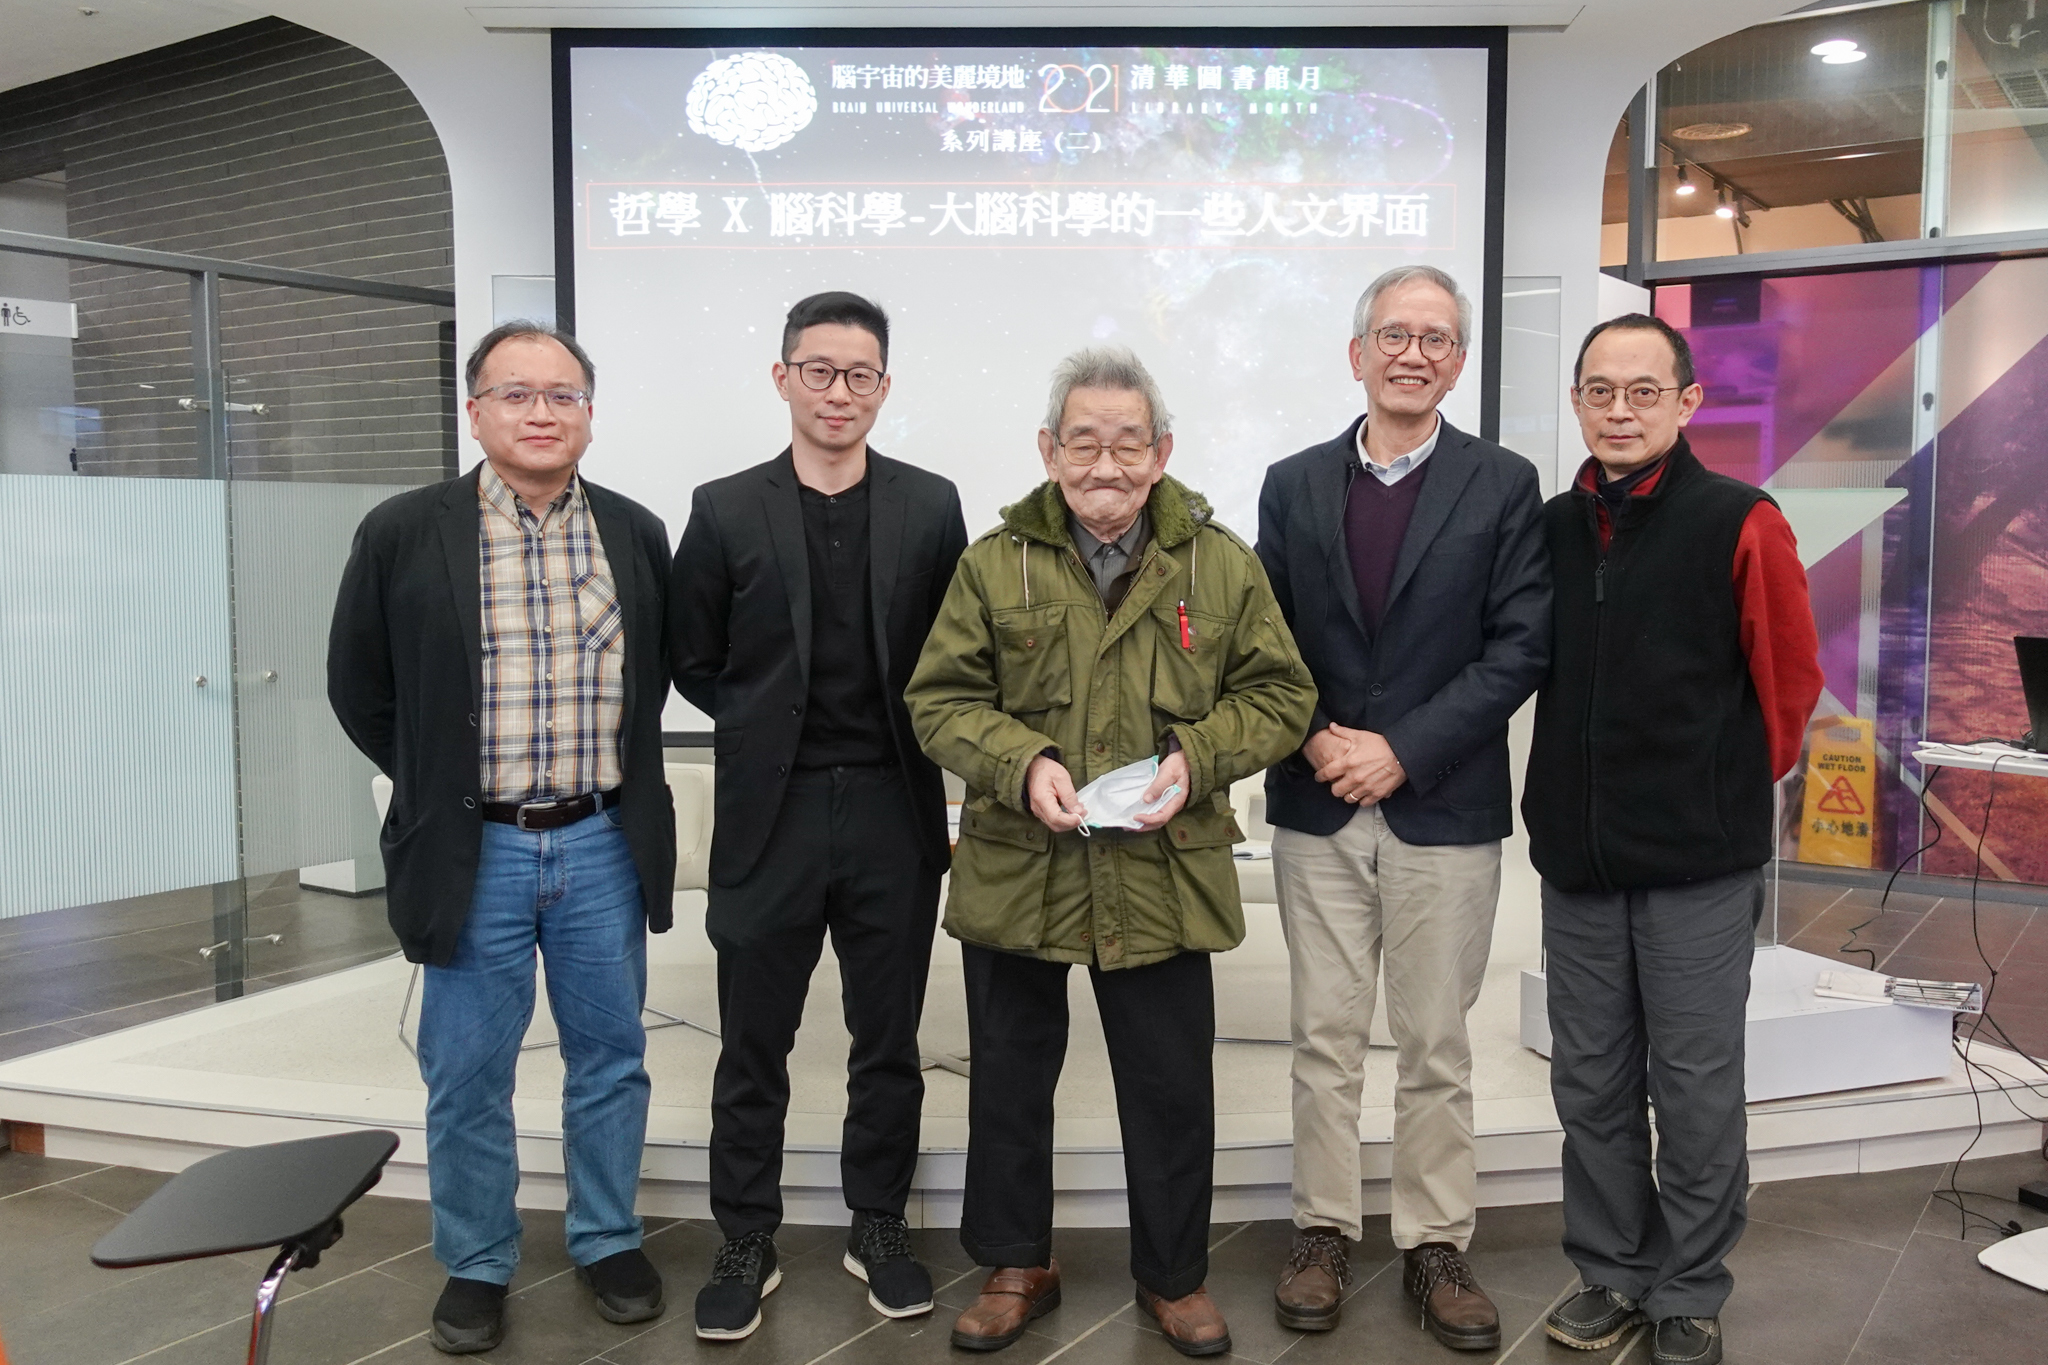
(1454, 1308)
(1192, 1324)
(1011, 1298)
(1310, 1295)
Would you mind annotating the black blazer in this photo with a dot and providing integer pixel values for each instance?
(740, 634)
(1464, 640)
(405, 677)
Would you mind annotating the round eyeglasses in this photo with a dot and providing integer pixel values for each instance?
(1394, 340)
(1084, 453)
(1639, 396)
(819, 375)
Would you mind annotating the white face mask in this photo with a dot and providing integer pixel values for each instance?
(1116, 799)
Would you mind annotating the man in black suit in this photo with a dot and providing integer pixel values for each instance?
(1409, 559)
(804, 588)
(499, 650)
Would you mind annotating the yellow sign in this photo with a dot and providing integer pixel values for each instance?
(1841, 792)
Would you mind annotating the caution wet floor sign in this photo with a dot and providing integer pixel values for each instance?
(1841, 792)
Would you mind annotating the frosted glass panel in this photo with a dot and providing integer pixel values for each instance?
(306, 789)
(113, 602)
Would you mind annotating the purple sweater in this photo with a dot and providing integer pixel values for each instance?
(1375, 520)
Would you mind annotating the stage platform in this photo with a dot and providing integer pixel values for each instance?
(326, 1054)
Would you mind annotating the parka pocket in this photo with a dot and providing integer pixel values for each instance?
(1033, 671)
(1187, 676)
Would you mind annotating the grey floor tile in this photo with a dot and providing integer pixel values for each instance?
(147, 1012)
(120, 1188)
(1942, 1308)
(1520, 1250)
(1801, 1298)
(39, 1038)
(1882, 1208)
(19, 1171)
(130, 1312)
(61, 1227)
(338, 1323)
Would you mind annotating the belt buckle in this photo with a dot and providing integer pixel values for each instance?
(519, 816)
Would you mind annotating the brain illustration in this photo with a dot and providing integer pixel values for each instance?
(754, 101)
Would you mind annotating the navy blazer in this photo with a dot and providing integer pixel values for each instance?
(1463, 642)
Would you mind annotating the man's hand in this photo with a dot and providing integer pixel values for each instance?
(1322, 749)
(1051, 791)
(1366, 773)
(1173, 769)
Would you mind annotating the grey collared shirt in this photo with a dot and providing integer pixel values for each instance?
(1107, 561)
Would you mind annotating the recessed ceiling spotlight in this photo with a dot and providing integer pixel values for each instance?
(1838, 52)
(1724, 209)
(1685, 185)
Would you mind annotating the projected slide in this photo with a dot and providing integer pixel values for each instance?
(1215, 209)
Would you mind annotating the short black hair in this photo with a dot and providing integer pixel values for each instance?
(1681, 351)
(836, 306)
(513, 330)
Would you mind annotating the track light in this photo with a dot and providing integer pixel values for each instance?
(1838, 52)
(1726, 208)
(1685, 185)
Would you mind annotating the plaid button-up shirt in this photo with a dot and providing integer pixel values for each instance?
(554, 647)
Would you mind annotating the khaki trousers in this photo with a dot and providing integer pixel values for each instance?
(1342, 896)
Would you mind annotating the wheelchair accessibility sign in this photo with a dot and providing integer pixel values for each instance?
(38, 318)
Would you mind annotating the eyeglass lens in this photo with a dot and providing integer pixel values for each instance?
(1088, 452)
(860, 380)
(1394, 340)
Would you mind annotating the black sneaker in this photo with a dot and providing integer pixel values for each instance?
(1687, 1341)
(627, 1285)
(470, 1317)
(878, 1251)
(1594, 1317)
(743, 1273)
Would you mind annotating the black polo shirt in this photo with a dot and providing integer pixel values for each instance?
(845, 719)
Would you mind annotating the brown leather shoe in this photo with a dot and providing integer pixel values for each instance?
(1192, 1324)
(1311, 1291)
(1011, 1298)
(1454, 1308)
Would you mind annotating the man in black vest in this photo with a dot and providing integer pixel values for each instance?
(1408, 558)
(1684, 670)
(803, 591)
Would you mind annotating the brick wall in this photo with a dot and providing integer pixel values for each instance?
(266, 142)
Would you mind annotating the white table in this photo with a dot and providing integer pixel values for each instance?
(2002, 758)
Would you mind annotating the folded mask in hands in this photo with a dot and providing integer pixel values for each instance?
(1116, 799)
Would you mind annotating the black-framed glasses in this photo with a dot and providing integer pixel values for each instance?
(861, 380)
(521, 395)
(1087, 451)
(1394, 340)
(1639, 396)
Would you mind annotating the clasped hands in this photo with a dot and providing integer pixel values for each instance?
(1358, 765)
(1050, 788)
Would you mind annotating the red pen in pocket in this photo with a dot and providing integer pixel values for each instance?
(1187, 638)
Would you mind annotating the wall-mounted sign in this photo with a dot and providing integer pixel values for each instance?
(38, 318)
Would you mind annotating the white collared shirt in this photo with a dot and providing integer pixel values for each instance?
(1402, 465)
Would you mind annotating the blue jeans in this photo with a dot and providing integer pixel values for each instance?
(574, 894)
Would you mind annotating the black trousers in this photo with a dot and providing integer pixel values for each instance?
(1647, 993)
(843, 858)
(1159, 1022)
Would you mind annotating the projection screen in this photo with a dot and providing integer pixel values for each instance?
(1215, 201)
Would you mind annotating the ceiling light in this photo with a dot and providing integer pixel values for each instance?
(1724, 209)
(1710, 132)
(1685, 185)
(1838, 52)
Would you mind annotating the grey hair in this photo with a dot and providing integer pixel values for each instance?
(1361, 317)
(1105, 367)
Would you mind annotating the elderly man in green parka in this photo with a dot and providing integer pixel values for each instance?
(1108, 620)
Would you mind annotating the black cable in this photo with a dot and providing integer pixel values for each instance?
(1849, 943)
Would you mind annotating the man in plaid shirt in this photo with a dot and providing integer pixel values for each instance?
(499, 650)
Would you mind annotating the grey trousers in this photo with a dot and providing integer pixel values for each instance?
(1647, 991)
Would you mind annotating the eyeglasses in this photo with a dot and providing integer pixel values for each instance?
(1599, 395)
(519, 395)
(1435, 345)
(861, 380)
(1082, 454)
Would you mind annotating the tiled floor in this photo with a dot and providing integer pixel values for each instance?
(1932, 938)
(78, 973)
(1839, 1270)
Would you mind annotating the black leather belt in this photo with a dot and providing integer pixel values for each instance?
(552, 814)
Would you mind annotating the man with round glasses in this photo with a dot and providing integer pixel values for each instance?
(1408, 557)
(497, 650)
(803, 591)
(1684, 670)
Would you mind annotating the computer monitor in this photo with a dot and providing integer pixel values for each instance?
(2033, 654)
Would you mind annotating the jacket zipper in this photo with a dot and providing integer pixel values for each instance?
(1593, 861)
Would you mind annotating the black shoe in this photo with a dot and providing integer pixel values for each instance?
(743, 1273)
(470, 1317)
(878, 1251)
(1687, 1341)
(627, 1285)
(1594, 1317)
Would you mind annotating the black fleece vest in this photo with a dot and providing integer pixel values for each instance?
(1650, 766)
